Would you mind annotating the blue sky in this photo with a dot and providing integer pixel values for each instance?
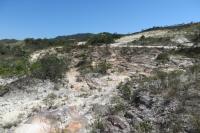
(49, 18)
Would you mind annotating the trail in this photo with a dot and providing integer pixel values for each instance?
(76, 103)
(125, 44)
(83, 98)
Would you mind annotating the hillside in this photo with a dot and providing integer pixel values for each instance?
(145, 82)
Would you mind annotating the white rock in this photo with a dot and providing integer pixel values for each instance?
(11, 119)
(34, 128)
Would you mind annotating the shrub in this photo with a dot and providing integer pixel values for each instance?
(17, 51)
(193, 52)
(85, 63)
(152, 41)
(85, 66)
(14, 67)
(196, 122)
(142, 37)
(100, 39)
(195, 69)
(4, 50)
(37, 44)
(50, 67)
(49, 100)
(3, 90)
(163, 57)
(118, 105)
(98, 126)
(103, 38)
(118, 108)
(196, 38)
(125, 90)
(102, 67)
(169, 82)
(144, 127)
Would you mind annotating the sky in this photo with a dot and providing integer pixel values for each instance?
(21, 19)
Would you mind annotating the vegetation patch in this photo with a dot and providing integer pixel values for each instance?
(118, 105)
(163, 57)
(189, 27)
(192, 52)
(3, 90)
(196, 122)
(38, 44)
(103, 38)
(125, 90)
(170, 81)
(144, 127)
(9, 50)
(98, 126)
(165, 41)
(49, 100)
(50, 67)
(13, 60)
(87, 67)
(102, 67)
(14, 67)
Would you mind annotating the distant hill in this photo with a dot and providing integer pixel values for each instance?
(8, 41)
(78, 37)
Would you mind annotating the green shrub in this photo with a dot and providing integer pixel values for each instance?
(195, 69)
(144, 127)
(17, 51)
(142, 37)
(32, 45)
(102, 67)
(98, 126)
(169, 80)
(196, 122)
(49, 100)
(3, 90)
(125, 90)
(163, 57)
(50, 67)
(152, 41)
(193, 52)
(196, 38)
(163, 81)
(4, 50)
(86, 67)
(118, 107)
(14, 67)
(103, 38)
